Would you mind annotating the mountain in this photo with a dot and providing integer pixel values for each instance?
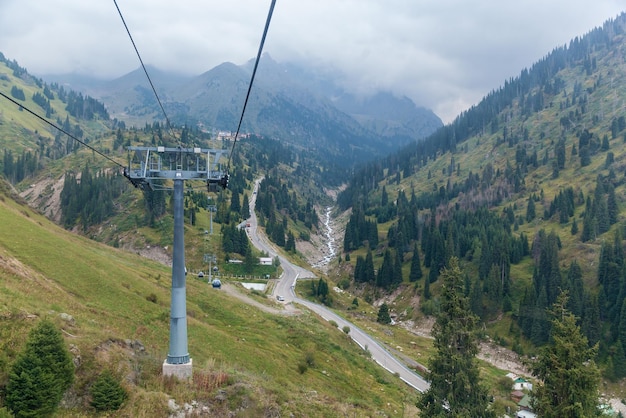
(289, 103)
(527, 189)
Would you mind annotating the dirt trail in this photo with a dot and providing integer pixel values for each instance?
(238, 292)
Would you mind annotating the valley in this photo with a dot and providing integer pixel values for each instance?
(356, 214)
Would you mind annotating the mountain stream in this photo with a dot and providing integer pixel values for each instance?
(330, 250)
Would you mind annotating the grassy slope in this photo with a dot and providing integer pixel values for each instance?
(19, 129)
(45, 270)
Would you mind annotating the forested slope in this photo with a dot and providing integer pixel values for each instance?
(527, 188)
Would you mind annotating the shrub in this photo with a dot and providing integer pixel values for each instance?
(107, 393)
(309, 358)
(346, 329)
(302, 367)
(344, 283)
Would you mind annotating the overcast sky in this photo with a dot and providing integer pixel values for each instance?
(444, 54)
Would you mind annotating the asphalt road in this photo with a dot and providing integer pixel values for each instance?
(285, 287)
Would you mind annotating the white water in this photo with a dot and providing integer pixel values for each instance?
(329, 252)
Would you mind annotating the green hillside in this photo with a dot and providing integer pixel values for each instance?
(245, 361)
(527, 188)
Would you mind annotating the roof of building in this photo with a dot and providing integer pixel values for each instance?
(525, 402)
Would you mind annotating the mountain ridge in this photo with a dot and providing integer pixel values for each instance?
(284, 103)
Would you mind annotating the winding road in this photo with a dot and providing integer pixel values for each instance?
(285, 287)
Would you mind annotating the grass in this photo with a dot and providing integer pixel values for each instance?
(114, 297)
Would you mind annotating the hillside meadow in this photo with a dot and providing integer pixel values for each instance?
(113, 309)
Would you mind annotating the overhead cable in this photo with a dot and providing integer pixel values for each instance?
(256, 64)
(167, 120)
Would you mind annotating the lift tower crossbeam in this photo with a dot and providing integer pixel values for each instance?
(177, 164)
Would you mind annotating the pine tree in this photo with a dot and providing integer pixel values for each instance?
(397, 269)
(359, 271)
(619, 362)
(569, 375)
(383, 314)
(591, 325)
(621, 328)
(493, 289)
(107, 394)
(235, 205)
(368, 268)
(476, 298)
(245, 207)
(322, 291)
(384, 278)
(455, 387)
(612, 206)
(530, 209)
(41, 374)
(290, 245)
(250, 261)
(427, 289)
(416, 269)
(575, 289)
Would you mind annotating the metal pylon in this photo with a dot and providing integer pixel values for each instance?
(178, 165)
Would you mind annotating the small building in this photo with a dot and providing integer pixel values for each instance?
(265, 261)
(522, 384)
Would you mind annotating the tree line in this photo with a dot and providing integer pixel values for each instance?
(88, 198)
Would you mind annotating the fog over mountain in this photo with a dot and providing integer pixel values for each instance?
(301, 106)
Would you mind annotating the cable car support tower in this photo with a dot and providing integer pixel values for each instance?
(178, 164)
(146, 164)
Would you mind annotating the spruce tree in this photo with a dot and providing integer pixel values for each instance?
(41, 374)
(427, 289)
(359, 272)
(397, 278)
(591, 324)
(530, 209)
(383, 314)
(612, 205)
(384, 278)
(107, 393)
(619, 362)
(455, 387)
(370, 276)
(290, 245)
(621, 326)
(574, 229)
(476, 298)
(416, 269)
(569, 375)
(245, 207)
